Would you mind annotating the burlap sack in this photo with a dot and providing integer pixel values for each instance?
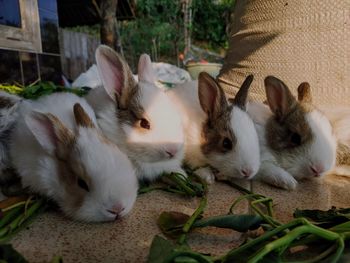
(295, 40)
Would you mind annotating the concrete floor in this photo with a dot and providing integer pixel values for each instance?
(129, 239)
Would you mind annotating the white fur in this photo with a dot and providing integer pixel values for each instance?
(147, 149)
(112, 176)
(340, 121)
(283, 171)
(245, 154)
(8, 118)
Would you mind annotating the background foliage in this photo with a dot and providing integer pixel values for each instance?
(159, 29)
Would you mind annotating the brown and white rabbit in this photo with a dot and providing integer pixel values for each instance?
(138, 117)
(218, 133)
(8, 115)
(58, 152)
(296, 140)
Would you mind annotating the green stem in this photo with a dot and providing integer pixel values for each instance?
(181, 183)
(319, 257)
(22, 203)
(14, 226)
(264, 237)
(295, 233)
(241, 198)
(339, 251)
(8, 217)
(267, 218)
(187, 226)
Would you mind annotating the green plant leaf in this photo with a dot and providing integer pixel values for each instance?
(10, 255)
(161, 248)
(171, 223)
(325, 219)
(241, 223)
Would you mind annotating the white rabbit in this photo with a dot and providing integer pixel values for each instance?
(58, 152)
(218, 133)
(138, 117)
(296, 139)
(339, 117)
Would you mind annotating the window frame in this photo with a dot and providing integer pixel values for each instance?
(27, 37)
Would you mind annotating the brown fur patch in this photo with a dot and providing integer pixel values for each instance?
(304, 93)
(69, 169)
(279, 132)
(343, 154)
(133, 111)
(130, 88)
(65, 137)
(81, 117)
(6, 102)
(240, 99)
(214, 131)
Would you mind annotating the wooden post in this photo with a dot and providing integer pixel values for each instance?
(109, 26)
(187, 23)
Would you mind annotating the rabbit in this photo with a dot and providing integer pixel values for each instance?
(296, 139)
(58, 151)
(138, 117)
(219, 133)
(8, 116)
(339, 116)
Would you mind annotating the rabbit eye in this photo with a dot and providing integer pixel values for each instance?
(227, 144)
(82, 184)
(145, 124)
(295, 139)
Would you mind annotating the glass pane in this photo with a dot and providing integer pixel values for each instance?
(10, 14)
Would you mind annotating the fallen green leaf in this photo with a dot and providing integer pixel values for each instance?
(171, 223)
(161, 248)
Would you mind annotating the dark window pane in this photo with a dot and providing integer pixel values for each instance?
(29, 67)
(10, 14)
(50, 68)
(49, 31)
(10, 69)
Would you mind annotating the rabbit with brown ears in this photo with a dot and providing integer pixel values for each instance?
(59, 152)
(296, 140)
(218, 133)
(137, 116)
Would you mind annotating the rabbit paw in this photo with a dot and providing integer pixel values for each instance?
(277, 176)
(206, 174)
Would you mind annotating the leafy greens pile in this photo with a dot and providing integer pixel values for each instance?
(313, 236)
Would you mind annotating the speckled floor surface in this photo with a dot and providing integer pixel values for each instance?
(129, 239)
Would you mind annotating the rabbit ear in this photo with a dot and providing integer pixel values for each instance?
(241, 97)
(81, 117)
(145, 69)
(50, 132)
(115, 73)
(304, 93)
(211, 97)
(279, 97)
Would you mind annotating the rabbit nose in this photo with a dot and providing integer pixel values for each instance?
(171, 152)
(246, 172)
(116, 210)
(317, 169)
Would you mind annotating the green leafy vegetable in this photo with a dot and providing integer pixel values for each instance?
(161, 248)
(322, 238)
(10, 255)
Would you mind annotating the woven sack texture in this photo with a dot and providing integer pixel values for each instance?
(294, 40)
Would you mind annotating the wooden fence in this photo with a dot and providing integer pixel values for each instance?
(77, 52)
